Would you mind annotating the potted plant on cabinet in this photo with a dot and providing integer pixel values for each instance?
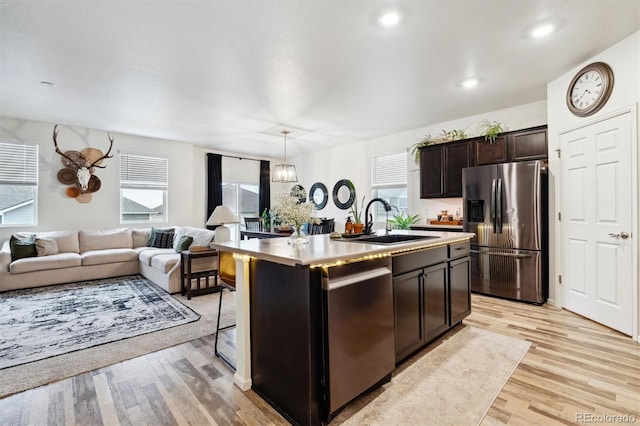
(491, 130)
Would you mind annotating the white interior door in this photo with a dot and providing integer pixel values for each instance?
(597, 274)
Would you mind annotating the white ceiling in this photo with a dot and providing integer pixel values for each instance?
(232, 74)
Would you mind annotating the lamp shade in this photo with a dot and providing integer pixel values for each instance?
(285, 173)
(221, 215)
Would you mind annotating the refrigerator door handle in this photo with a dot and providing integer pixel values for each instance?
(491, 253)
(493, 205)
(499, 206)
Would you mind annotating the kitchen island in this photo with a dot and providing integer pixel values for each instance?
(322, 323)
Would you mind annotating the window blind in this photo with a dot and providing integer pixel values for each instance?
(389, 170)
(142, 172)
(19, 164)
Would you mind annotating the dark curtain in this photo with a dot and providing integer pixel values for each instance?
(264, 192)
(214, 184)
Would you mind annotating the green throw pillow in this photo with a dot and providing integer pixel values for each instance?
(23, 247)
(184, 243)
(152, 234)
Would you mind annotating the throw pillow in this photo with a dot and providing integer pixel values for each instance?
(184, 243)
(22, 247)
(163, 240)
(46, 246)
(152, 235)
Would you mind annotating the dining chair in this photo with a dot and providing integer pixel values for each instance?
(326, 226)
(253, 223)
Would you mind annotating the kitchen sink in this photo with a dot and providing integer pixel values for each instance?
(391, 239)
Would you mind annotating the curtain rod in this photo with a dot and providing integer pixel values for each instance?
(239, 158)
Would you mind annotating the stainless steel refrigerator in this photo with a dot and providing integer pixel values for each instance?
(505, 205)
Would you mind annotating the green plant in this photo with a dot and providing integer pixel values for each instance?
(357, 213)
(453, 135)
(490, 130)
(415, 148)
(399, 221)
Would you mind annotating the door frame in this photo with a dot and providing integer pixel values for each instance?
(632, 110)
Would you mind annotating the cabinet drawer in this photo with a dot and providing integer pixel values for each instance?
(459, 249)
(419, 259)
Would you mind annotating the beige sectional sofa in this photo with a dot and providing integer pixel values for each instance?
(94, 254)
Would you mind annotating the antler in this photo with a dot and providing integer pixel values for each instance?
(55, 143)
(93, 164)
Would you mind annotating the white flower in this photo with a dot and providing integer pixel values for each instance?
(291, 211)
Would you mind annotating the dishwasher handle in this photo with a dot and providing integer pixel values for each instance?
(329, 284)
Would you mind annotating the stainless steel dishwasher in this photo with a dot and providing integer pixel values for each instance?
(359, 343)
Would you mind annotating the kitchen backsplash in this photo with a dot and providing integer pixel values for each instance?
(431, 208)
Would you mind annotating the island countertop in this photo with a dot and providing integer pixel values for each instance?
(322, 249)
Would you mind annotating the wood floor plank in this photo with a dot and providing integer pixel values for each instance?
(575, 367)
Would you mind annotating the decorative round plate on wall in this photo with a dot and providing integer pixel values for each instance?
(318, 195)
(344, 193)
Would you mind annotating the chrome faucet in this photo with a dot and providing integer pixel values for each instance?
(368, 218)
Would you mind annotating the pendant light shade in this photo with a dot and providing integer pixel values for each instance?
(284, 172)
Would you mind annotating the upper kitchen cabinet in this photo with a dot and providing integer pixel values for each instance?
(441, 169)
(441, 164)
(529, 144)
(521, 145)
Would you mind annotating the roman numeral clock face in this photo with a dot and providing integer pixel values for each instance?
(590, 89)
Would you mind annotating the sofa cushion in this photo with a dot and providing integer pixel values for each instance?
(145, 256)
(100, 257)
(163, 240)
(164, 262)
(22, 246)
(67, 241)
(140, 237)
(46, 246)
(55, 261)
(152, 234)
(201, 236)
(183, 243)
(105, 239)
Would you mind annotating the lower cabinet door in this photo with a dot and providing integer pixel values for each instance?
(459, 273)
(435, 301)
(408, 320)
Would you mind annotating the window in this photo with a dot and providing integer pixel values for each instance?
(243, 200)
(143, 188)
(18, 184)
(389, 182)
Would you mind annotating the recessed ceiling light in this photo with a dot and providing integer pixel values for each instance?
(47, 83)
(389, 18)
(542, 31)
(470, 82)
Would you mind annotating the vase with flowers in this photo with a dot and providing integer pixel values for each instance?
(292, 212)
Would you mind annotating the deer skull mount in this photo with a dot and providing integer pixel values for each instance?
(79, 168)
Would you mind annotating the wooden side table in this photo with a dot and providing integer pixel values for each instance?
(187, 274)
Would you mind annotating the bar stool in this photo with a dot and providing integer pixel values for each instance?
(227, 280)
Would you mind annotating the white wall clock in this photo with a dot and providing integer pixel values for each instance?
(590, 89)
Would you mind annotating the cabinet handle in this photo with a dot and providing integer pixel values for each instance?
(459, 248)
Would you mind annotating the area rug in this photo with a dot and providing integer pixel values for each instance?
(43, 322)
(37, 373)
(453, 384)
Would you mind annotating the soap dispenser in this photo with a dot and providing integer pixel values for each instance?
(348, 227)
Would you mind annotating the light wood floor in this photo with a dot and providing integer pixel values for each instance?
(574, 368)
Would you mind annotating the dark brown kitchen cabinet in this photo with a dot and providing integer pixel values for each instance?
(490, 153)
(435, 312)
(431, 294)
(529, 144)
(407, 290)
(459, 289)
(441, 169)
(431, 172)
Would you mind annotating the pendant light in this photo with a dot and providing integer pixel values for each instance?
(285, 173)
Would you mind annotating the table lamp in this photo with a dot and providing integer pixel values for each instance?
(222, 215)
